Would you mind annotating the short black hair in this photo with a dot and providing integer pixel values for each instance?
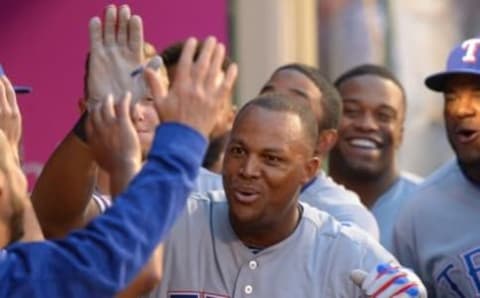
(171, 55)
(283, 103)
(331, 101)
(373, 70)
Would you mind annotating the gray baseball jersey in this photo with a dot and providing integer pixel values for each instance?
(204, 258)
(344, 205)
(437, 234)
(207, 181)
(388, 206)
(322, 193)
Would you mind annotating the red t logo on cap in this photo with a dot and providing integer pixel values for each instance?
(471, 47)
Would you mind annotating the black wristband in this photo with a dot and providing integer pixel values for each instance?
(79, 129)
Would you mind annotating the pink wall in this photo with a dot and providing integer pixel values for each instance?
(44, 42)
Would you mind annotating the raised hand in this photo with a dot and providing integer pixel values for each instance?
(116, 50)
(388, 280)
(112, 136)
(199, 89)
(10, 116)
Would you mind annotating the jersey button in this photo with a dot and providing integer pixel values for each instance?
(253, 265)
(248, 289)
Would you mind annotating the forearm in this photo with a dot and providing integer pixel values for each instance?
(32, 229)
(64, 188)
(122, 176)
(111, 250)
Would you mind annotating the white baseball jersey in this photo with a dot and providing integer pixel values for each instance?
(204, 258)
(322, 193)
(344, 205)
(437, 234)
(388, 206)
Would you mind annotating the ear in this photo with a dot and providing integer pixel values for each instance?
(311, 168)
(399, 141)
(326, 140)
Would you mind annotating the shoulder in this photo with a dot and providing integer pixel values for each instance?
(344, 205)
(348, 241)
(330, 190)
(207, 181)
(410, 179)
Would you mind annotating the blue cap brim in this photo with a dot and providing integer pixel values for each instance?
(22, 89)
(438, 82)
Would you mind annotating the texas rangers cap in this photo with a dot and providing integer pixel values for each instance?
(17, 88)
(463, 59)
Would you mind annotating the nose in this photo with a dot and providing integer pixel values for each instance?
(366, 122)
(137, 112)
(250, 168)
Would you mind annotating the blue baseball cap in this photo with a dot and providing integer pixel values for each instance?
(18, 89)
(463, 59)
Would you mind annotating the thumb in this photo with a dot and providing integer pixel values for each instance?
(358, 277)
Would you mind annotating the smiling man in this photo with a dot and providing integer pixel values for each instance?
(369, 135)
(231, 243)
(437, 233)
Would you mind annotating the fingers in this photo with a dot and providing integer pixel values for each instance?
(123, 19)
(96, 40)
(215, 73)
(122, 108)
(135, 33)
(185, 62)
(10, 95)
(154, 82)
(110, 25)
(230, 78)
(388, 280)
(8, 102)
(204, 61)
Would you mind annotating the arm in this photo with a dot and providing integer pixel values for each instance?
(110, 251)
(11, 125)
(62, 194)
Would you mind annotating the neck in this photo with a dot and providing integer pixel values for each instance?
(266, 235)
(471, 171)
(368, 188)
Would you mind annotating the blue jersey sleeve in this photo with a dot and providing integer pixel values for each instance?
(101, 259)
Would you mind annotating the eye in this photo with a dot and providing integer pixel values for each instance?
(449, 97)
(236, 151)
(385, 117)
(272, 159)
(351, 112)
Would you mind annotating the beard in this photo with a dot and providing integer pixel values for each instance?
(355, 170)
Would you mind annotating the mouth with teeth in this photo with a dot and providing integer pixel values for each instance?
(363, 146)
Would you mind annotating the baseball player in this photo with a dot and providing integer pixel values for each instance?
(305, 83)
(115, 55)
(254, 239)
(437, 234)
(101, 259)
(369, 136)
